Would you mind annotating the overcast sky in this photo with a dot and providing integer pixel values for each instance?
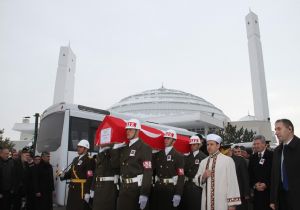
(129, 46)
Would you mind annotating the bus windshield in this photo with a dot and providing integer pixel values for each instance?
(50, 132)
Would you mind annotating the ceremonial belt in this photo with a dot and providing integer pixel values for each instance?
(114, 179)
(105, 179)
(138, 179)
(172, 180)
(81, 182)
(77, 180)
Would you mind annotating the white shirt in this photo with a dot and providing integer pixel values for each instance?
(168, 149)
(195, 153)
(262, 153)
(80, 156)
(132, 141)
(102, 149)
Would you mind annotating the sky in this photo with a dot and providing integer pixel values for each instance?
(124, 47)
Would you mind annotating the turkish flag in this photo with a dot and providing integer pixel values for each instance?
(112, 130)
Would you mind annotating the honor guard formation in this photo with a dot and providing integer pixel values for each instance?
(132, 175)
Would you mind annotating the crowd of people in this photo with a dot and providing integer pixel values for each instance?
(26, 181)
(132, 176)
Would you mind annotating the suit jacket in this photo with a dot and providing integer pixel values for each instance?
(20, 174)
(259, 172)
(292, 160)
(242, 175)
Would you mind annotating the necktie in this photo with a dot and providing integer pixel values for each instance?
(284, 172)
(259, 155)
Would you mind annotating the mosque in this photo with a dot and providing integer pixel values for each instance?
(174, 107)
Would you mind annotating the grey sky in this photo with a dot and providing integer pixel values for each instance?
(128, 46)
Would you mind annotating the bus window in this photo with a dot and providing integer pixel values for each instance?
(50, 132)
(82, 129)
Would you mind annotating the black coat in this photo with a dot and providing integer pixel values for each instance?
(260, 171)
(292, 160)
(21, 174)
(44, 184)
(242, 175)
(6, 175)
(243, 180)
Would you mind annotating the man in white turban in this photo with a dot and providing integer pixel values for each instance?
(217, 177)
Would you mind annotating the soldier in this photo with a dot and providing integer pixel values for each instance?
(105, 181)
(80, 175)
(192, 193)
(135, 170)
(169, 169)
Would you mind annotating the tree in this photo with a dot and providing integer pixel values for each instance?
(5, 142)
(230, 134)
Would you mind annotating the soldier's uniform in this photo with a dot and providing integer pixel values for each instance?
(191, 199)
(169, 179)
(105, 182)
(80, 175)
(135, 174)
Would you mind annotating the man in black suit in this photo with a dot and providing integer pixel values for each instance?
(285, 182)
(243, 180)
(260, 166)
(44, 183)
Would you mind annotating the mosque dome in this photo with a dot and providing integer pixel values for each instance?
(165, 102)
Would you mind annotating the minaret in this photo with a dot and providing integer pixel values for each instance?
(259, 89)
(65, 76)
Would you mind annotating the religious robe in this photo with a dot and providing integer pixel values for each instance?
(221, 190)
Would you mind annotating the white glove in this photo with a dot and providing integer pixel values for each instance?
(103, 149)
(23, 203)
(143, 201)
(92, 193)
(176, 200)
(1, 195)
(119, 145)
(154, 151)
(60, 174)
(87, 197)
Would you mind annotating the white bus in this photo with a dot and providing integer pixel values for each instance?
(63, 125)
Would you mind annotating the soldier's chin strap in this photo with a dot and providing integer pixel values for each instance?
(133, 137)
